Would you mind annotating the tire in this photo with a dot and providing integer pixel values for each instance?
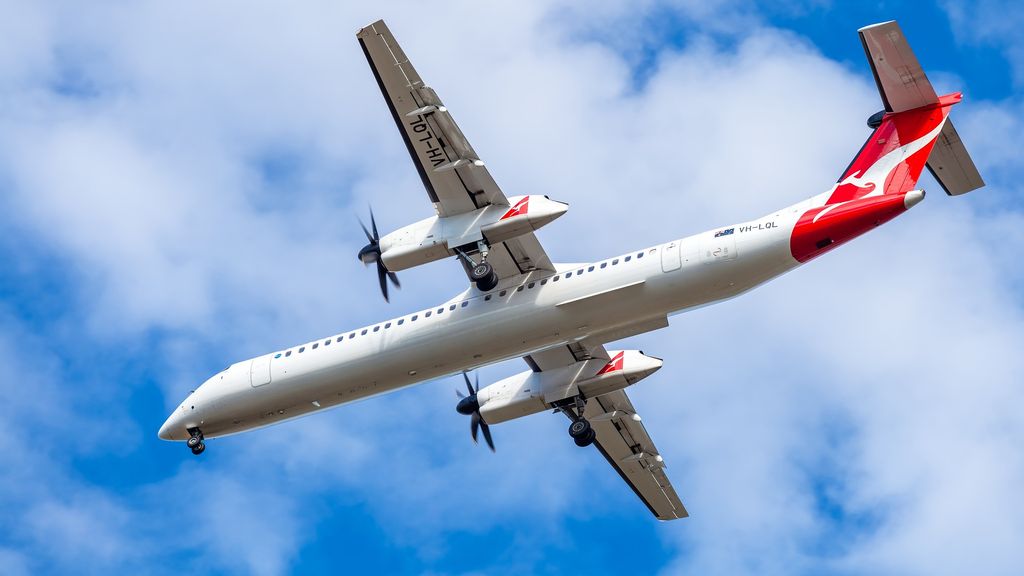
(580, 429)
(194, 441)
(199, 449)
(488, 283)
(481, 272)
(586, 440)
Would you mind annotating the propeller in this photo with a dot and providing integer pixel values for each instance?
(371, 253)
(469, 405)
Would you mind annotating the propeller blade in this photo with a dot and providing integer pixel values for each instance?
(382, 275)
(487, 434)
(367, 232)
(468, 385)
(477, 388)
(474, 425)
(459, 394)
(394, 279)
(373, 224)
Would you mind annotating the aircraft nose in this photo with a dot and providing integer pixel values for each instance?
(169, 427)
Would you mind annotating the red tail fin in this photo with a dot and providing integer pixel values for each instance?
(894, 156)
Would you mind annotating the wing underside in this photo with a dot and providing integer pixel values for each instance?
(621, 436)
(455, 178)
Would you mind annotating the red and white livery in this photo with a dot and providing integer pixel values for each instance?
(558, 317)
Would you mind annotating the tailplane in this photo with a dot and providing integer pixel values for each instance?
(912, 132)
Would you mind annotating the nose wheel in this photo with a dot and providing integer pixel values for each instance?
(195, 441)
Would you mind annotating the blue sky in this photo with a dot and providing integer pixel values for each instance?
(180, 185)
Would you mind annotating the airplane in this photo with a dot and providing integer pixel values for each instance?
(560, 317)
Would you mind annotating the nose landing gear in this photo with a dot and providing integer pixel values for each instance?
(195, 441)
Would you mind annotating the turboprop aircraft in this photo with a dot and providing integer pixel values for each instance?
(559, 317)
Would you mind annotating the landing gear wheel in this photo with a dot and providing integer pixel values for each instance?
(579, 429)
(199, 448)
(194, 442)
(586, 440)
(483, 275)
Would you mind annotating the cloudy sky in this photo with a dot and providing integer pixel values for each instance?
(179, 189)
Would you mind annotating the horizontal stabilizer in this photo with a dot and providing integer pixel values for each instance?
(951, 165)
(901, 81)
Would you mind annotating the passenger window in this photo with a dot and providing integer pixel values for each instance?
(278, 355)
(591, 269)
(466, 303)
(288, 353)
(339, 338)
(302, 349)
(555, 279)
(402, 321)
(427, 315)
(327, 342)
(640, 255)
(628, 258)
(352, 335)
(414, 317)
(532, 284)
(614, 262)
(388, 325)
(315, 346)
(520, 289)
(439, 310)
(580, 271)
(376, 328)
(604, 264)
(451, 308)
(363, 333)
(503, 292)
(544, 281)
(487, 298)
(568, 274)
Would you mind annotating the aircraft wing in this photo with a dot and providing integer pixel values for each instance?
(621, 436)
(455, 178)
(623, 441)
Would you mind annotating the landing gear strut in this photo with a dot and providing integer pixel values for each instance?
(195, 441)
(482, 274)
(580, 430)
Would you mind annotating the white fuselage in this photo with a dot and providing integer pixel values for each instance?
(605, 300)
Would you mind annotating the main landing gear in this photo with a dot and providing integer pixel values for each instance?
(480, 273)
(582, 433)
(580, 430)
(195, 441)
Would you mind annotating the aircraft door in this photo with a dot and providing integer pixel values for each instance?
(259, 371)
(670, 256)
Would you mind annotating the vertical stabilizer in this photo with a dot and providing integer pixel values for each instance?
(903, 86)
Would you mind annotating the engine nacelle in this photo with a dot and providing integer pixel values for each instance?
(531, 392)
(435, 238)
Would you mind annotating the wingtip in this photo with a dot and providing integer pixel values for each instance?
(876, 25)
